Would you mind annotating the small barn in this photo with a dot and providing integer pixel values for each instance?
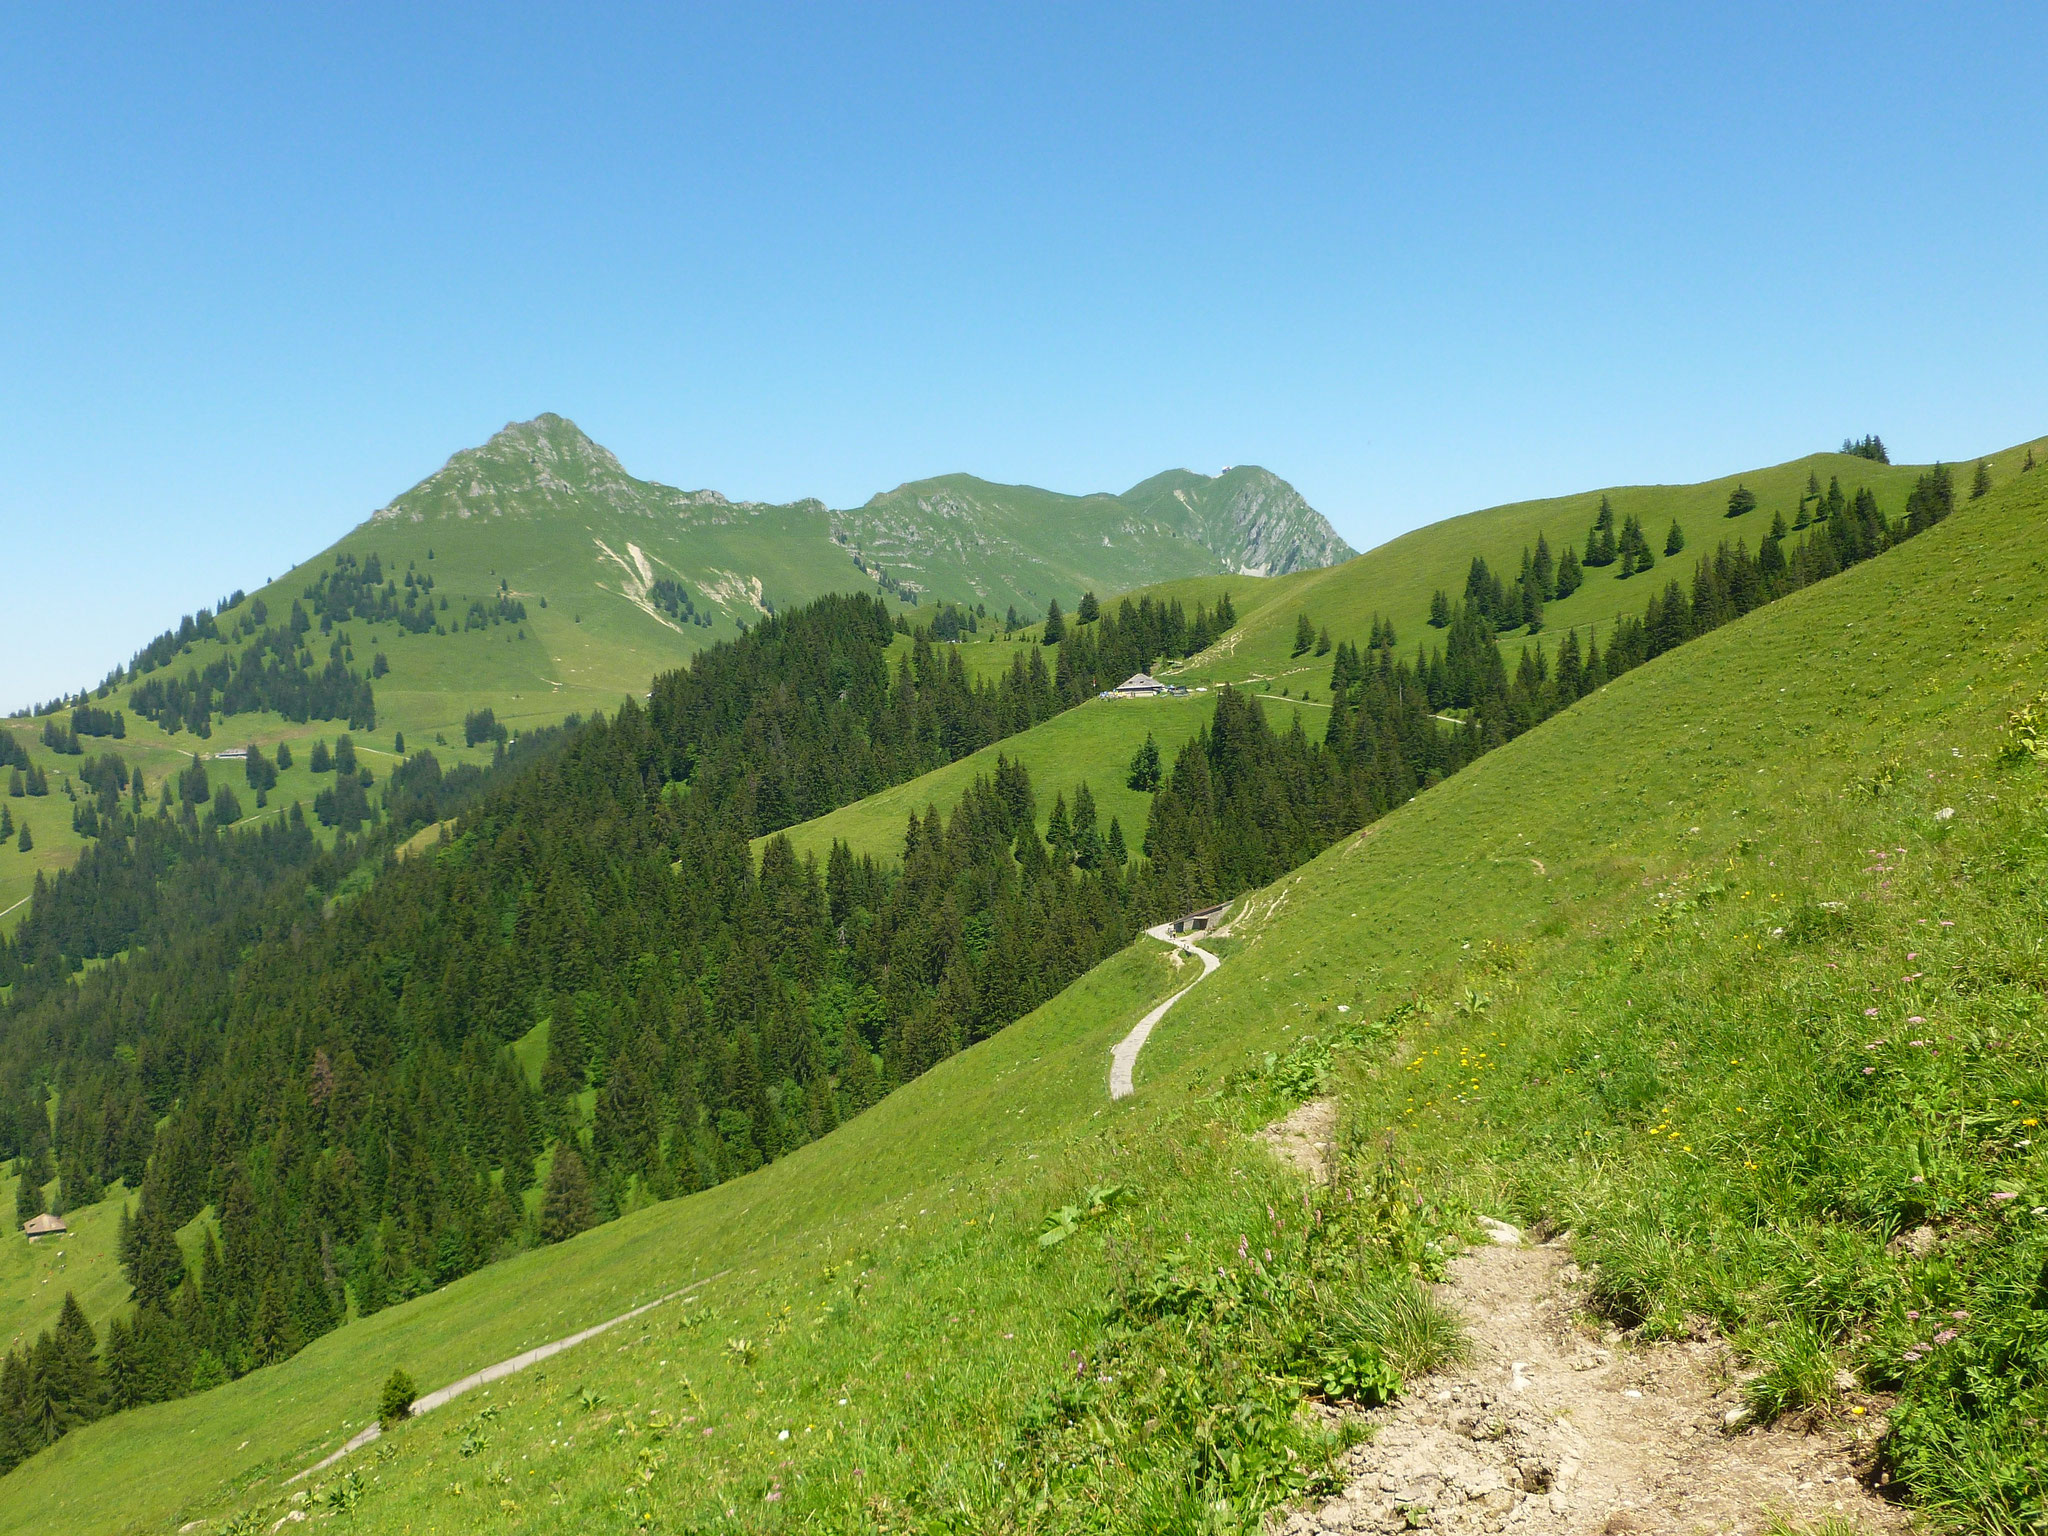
(1201, 920)
(1138, 685)
(44, 1226)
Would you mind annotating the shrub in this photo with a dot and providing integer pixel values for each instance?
(395, 1407)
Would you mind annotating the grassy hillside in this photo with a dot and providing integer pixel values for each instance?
(622, 578)
(1731, 855)
(1397, 578)
(1090, 745)
(161, 756)
(967, 539)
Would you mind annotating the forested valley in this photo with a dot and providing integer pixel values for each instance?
(327, 1062)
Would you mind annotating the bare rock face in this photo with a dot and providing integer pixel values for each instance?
(1253, 520)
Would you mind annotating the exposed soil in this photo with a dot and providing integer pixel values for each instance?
(1556, 1425)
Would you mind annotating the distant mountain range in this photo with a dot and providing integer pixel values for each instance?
(954, 537)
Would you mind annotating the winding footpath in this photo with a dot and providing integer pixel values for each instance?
(1125, 1057)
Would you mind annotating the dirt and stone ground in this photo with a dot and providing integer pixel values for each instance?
(1555, 1425)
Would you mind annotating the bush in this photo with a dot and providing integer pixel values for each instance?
(395, 1407)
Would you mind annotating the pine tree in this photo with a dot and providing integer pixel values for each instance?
(1055, 625)
(2030, 462)
(25, 842)
(78, 1348)
(1059, 832)
(1323, 641)
(1570, 576)
(1545, 568)
(1087, 839)
(1144, 774)
(1304, 635)
(1674, 541)
(566, 1206)
(1440, 607)
(1980, 483)
(1600, 542)
(1090, 610)
(1114, 849)
(28, 1193)
(1741, 500)
(857, 1078)
(150, 1254)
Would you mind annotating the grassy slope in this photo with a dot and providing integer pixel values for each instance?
(1713, 760)
(1398, 578)
(160, 756)
(964, 538)
(1092, 744)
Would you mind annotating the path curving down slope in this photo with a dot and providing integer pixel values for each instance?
(1125, 1057)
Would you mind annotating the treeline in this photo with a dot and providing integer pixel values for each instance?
(1244, 804)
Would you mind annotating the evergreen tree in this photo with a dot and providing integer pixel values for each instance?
(1323, 641)
(1059, 832)
(1932, 498)
(857, 1080)
(1114, 849)
(1144, 772)
(566, 1206)
(1570, 574)
(24, 842)
(1055, 625)
(2030, 461)
(1600, 540)
(1440, 609)
(1674, 541)
(1741, 500)
(1304, 635)
(149, 1252)
(394, 1403)
(28, 1194)
(1980, 482)
(1545, 568)
(1090, 610)
(284, 755)
(78, 1350)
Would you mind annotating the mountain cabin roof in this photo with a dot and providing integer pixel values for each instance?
(43, 1226)
(1140, 682)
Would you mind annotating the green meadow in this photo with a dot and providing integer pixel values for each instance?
(1092, 744)
(1732, 968)
(1397, 579)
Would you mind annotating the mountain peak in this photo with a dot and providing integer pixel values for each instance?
(550, 438)
(525, 467)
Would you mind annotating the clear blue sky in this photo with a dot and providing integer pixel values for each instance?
(262, 269)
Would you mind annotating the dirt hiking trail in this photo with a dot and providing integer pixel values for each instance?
(1555, 1425)
(1124, 1058)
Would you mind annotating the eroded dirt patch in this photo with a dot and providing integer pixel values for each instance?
(1554, 1426)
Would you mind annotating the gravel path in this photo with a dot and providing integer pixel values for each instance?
(490, 1373)
(1125, 1056)
(1559, 1427)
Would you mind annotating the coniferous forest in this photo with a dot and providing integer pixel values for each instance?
(325, 1061)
